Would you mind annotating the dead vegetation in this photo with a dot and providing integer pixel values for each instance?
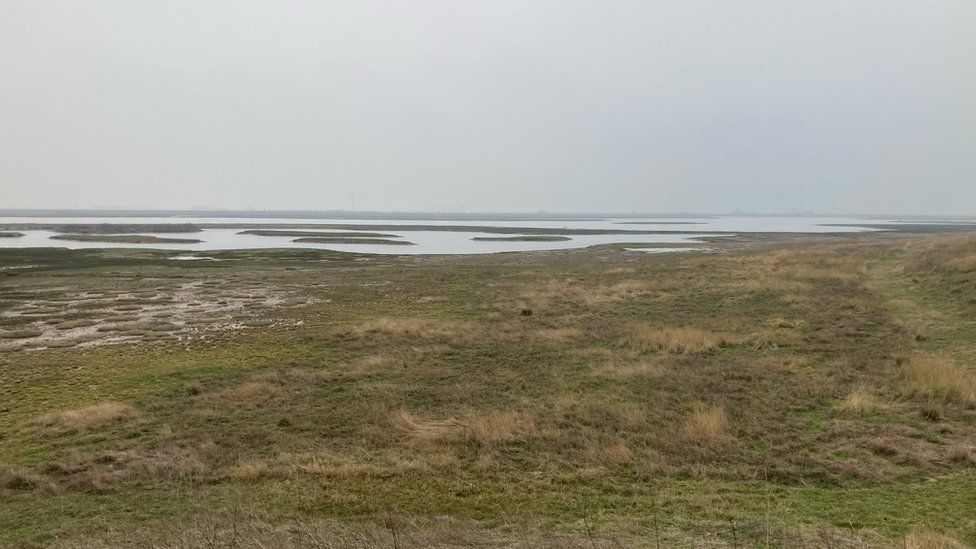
(861, 402)
(952, 254)
(931, 376)
(16, 478)
(707, 425)
(928, 539)
(376, 362)
(86, 417)
(417, 328)
(817, 263)
(482, 430)
(623, 369)
(684, 339)
(405, 423)
(499, 427)
(251, 393)
(554, 294)
(557, 335)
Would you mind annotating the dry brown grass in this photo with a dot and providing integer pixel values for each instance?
(16, 478)
(946, 254)
(557, 335)
(623, 370)
(816, 263)
(572, 411)
(933, 376)
(405, 423)
(376, 362)
(928, 539)
(101, 470)
(252, 393)
(860, 402)
(250, 470)
(842, 270)
(86, 417)
(499, 427)
(337, 465)
(601, 453)
(547, 294)
(419, 328)
(963, 264)
(685, 339)
(707, 425)
(961, 454)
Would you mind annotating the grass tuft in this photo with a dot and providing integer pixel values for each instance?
(933, 376)
(250, 393)
(403, 422)
(499, 427)
(16, 478)
(707, 425)
(686, 339)
(86, 417)
(928, 539)
(626, 370)
(860, 403)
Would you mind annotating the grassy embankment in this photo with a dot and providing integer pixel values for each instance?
(820, 394)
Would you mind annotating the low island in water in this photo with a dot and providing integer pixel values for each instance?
(125, 239)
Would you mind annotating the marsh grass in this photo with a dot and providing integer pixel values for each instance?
(684, 339)
(707, 425)
(929, 539)
(86, 417)
(418, 328)
(429, 430)
(623, 370)
(16, 478)
(486, 430)
(244, 528)
(554, 294)
(557, 335)
(860, 402)
(933, 376)
(962, 454)
(375, 402)
(376, 362)
(952, 254)
(252, 393)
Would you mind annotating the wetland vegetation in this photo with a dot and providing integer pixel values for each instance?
(124, 239)
(789, 391)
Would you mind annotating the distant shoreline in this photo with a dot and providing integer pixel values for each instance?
(451, 216)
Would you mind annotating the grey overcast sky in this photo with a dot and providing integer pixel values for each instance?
(848, 106)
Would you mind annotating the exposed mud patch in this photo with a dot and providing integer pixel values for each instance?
(183, 312)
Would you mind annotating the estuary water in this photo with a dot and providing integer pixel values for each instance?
(449, 237)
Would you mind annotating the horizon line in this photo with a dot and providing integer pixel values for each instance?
(252, 212)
